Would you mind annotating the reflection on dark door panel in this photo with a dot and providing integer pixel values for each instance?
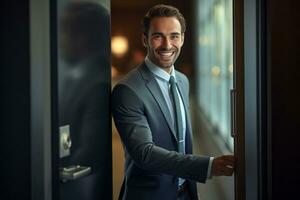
(84, 90)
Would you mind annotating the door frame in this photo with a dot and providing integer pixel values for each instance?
(238, 87)
(252, 83)
(40, 101)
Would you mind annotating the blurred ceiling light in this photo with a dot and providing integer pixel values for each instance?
(215, 70)
(205, 40)
(230, 68)
(219, 13)
(119, 45)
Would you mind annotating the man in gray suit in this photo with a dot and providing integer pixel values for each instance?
(159, 165)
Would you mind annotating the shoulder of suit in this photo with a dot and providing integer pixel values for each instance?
(132, 79)
(181, 76)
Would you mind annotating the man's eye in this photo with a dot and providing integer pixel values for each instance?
(175, 37)
(157, 36)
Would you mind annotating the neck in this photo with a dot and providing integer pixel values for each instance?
(168, 69)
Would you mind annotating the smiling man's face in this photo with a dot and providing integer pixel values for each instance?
(164, 41)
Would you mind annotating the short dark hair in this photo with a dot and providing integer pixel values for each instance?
(162, 10)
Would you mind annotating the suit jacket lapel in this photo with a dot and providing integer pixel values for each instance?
(154, 89)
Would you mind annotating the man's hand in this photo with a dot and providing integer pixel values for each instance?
(223, 165)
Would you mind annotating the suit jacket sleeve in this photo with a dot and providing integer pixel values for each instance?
(134, 130)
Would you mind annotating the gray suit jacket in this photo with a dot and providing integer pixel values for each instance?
(144, 123)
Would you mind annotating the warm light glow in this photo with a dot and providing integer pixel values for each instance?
(215, 70)
(219, 13)
(119, 45)
(230, 68)
(205, 40)
(114, 72)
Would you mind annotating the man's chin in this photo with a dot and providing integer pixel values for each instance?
(164, 65)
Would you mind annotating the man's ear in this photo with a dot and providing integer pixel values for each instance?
(182, 38)
(144, 40)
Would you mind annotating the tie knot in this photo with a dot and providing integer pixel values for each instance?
(172, 80)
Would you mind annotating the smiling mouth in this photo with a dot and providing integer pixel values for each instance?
(166, 55)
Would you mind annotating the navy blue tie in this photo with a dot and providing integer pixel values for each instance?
(178, 115)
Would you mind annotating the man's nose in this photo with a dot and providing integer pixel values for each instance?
(166, 43)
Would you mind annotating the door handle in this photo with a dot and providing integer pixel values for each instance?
(73, 172)
(233, 112)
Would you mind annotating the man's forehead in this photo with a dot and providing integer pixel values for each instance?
(171, 24)
(164, 18)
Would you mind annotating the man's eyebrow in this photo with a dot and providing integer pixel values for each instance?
(175, 33)
(159, 33)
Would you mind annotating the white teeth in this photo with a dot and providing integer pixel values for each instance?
(167, 54)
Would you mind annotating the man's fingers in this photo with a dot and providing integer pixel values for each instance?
(224, 165)
(229, 158)
(228, 162)
(224, 171)
(228, 171)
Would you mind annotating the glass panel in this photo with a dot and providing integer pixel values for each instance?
(214, 63)
(84, 99)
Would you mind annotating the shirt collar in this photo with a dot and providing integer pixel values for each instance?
(159, 72)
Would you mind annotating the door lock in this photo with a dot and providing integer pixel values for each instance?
(65, 141)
